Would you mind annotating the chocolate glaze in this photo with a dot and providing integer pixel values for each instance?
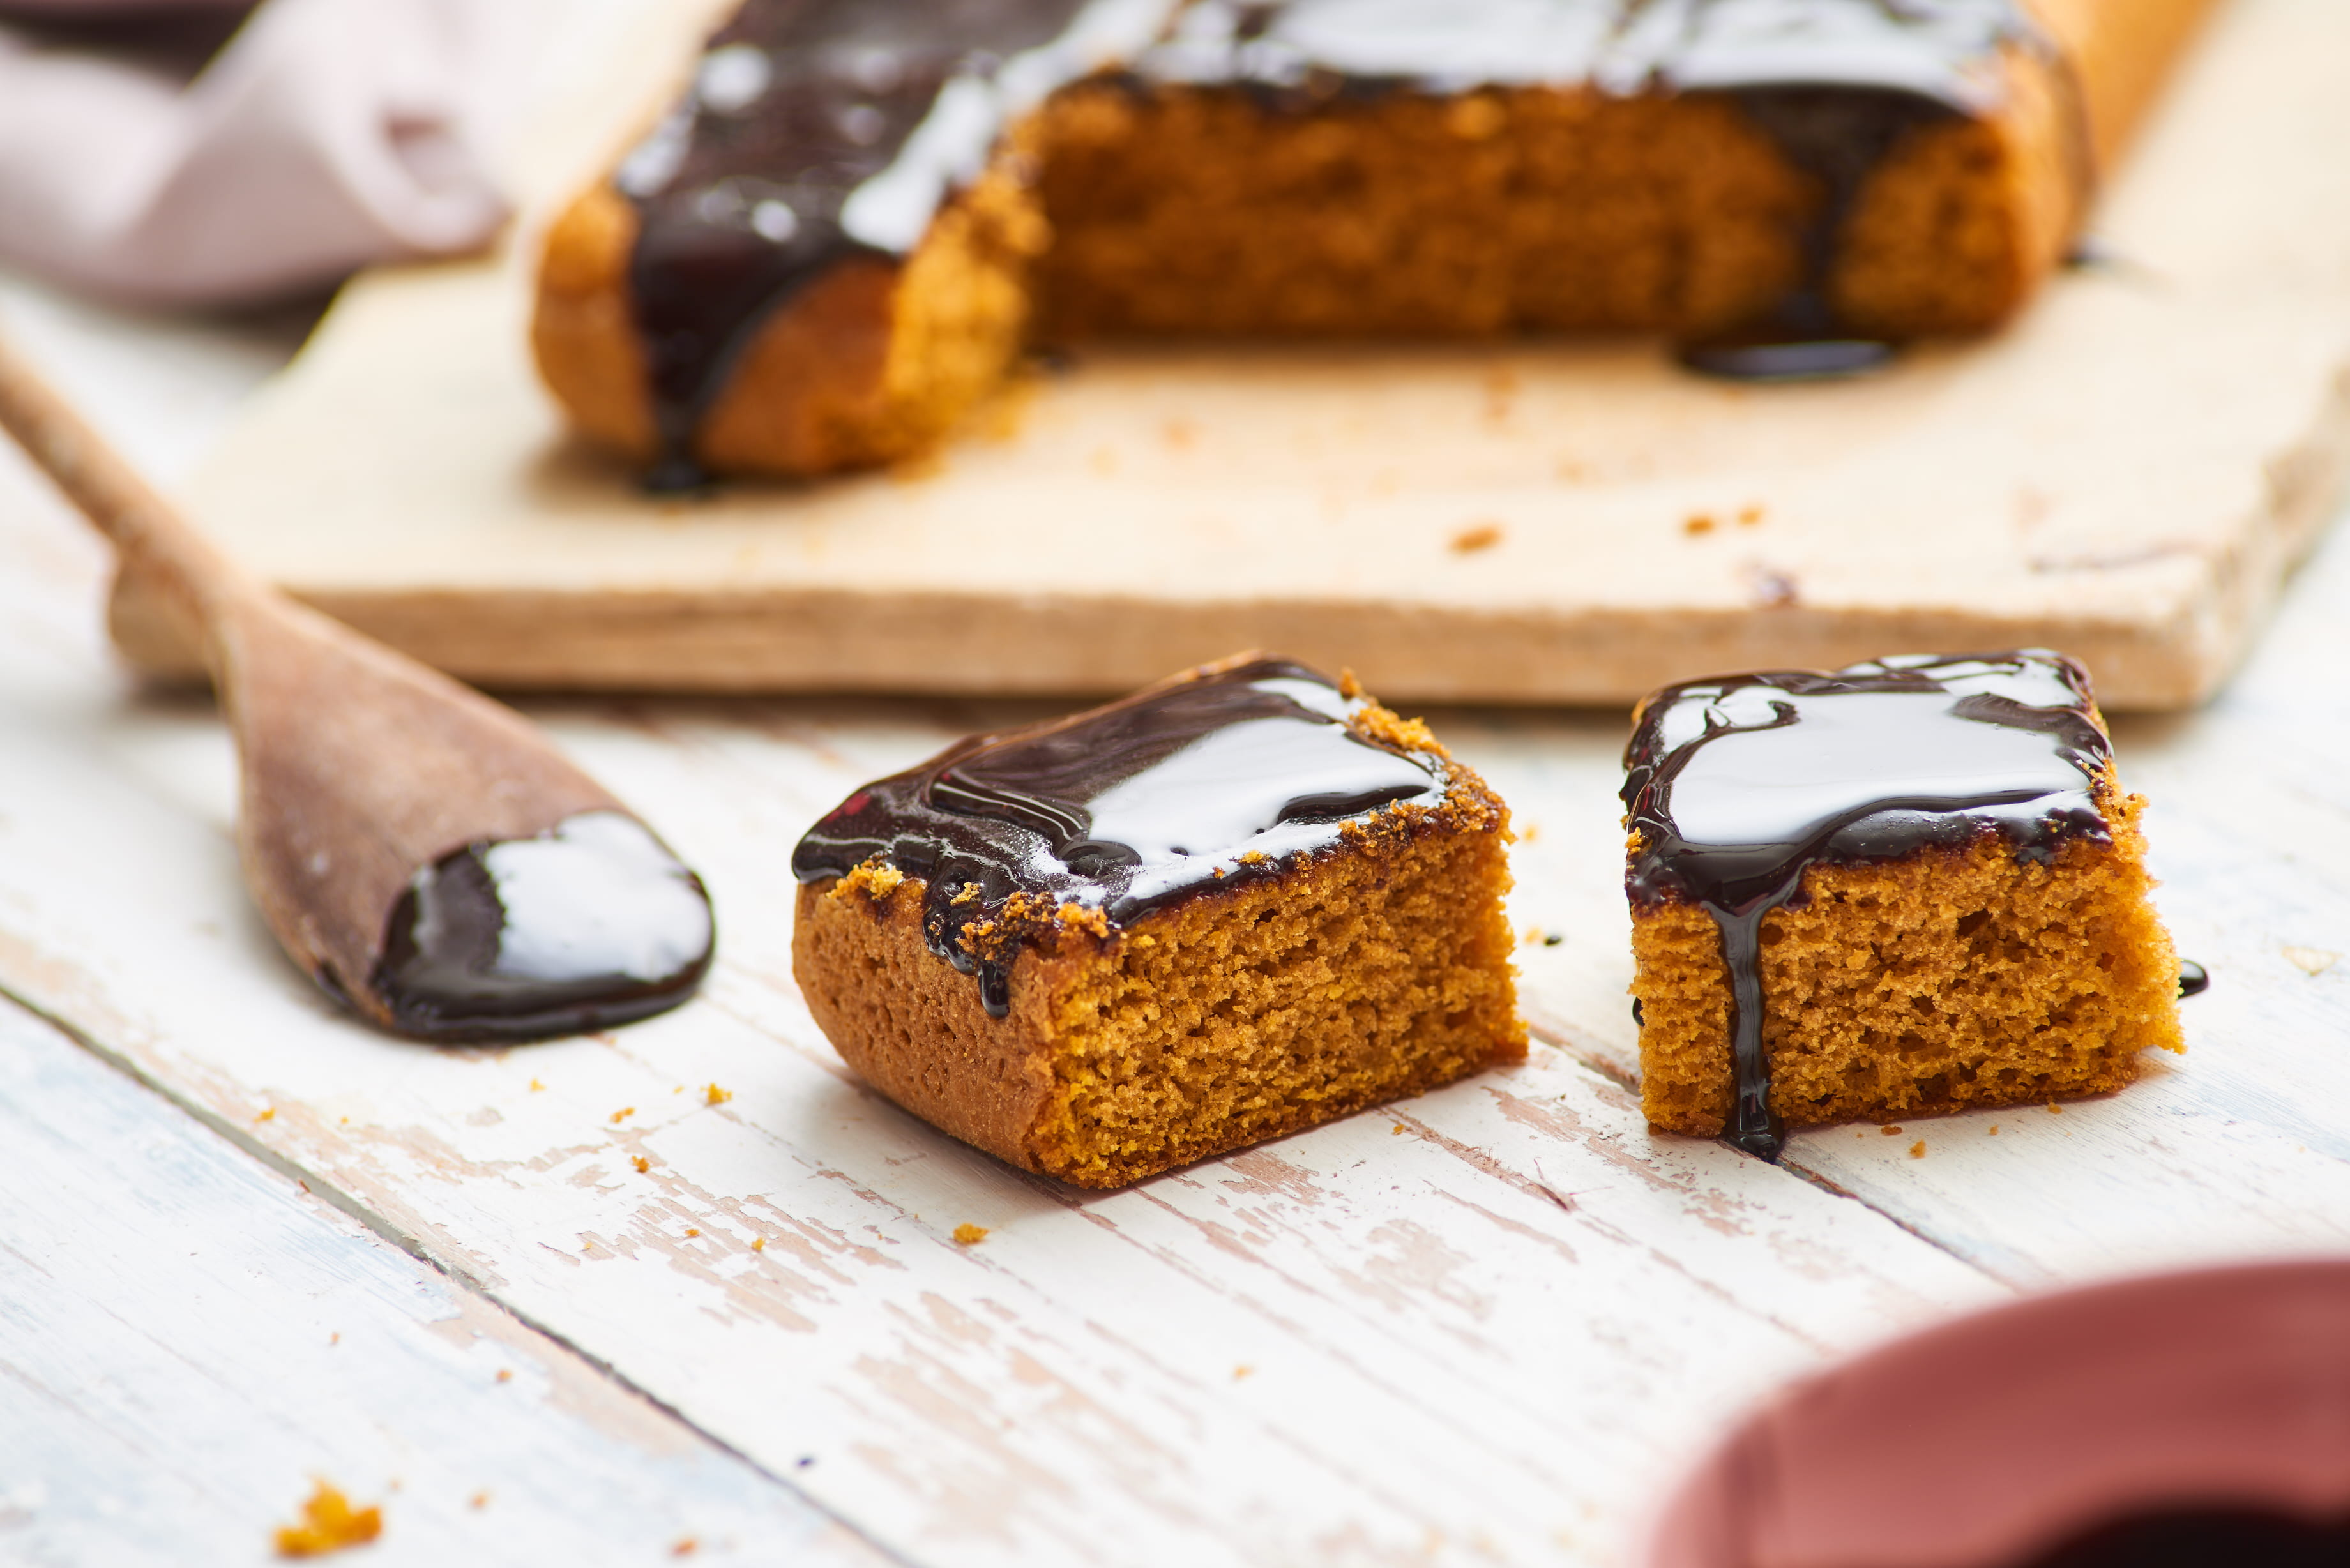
(2194, 980)
(592, 925)
(2215, 1537)
(1196, 784)
(818, 131)
(1737, 785)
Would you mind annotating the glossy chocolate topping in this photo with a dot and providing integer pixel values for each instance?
(816, 132)
(1737, 785)
(1200, 784)
(592, 925)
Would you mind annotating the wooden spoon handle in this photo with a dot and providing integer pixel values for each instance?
(109, 491)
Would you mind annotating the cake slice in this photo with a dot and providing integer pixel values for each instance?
(1234, 905)
(1912, 886)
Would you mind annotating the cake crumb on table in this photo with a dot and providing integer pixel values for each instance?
(479, 1500)
(1893, 1131)
(1994, 1130)
(641, 1163)
(268, 1115)
(1475, 537)
(330, 1523)
(714, 1095)
(1917, 1149)
(537, 1087)
(505, 1374)
(970, 1235)
(758, 1243)
(623, 1114)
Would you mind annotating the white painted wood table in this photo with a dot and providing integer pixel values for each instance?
(245, 1242)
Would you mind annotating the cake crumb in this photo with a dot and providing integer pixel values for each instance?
(970, 1235)
(330, 1523)
(535, 1087)
(694, 1230)
(268, 1115)
(2311, 962)
(505, 1374)
(479, 1500)
(1697, 526)
(1917, 1149)
(641, 1163)
(1244, 1370)
(1529, 833)
(1398, 1129)
(1749, 517)
(714, 1095)
(758, 1243)
(1178, 433)
(686, 1547)
(2054, 1109)
(1475, 537)
(623, 1114)
(1994, 1130)
(1893, 1131)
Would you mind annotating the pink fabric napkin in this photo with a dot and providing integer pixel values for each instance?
(325, 134)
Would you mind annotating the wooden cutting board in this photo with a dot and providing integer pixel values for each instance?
(2127, 474)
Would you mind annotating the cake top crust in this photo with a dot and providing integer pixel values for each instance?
(1223, 774)
(1736, 783)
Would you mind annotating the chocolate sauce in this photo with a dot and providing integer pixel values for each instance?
(818, 131)
(1196, 785)
(2194, 980)
(592, 925)
(1738, 785)
(2206, 1538)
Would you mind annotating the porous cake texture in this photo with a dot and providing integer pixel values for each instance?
(1236, 904)
(1909, 887)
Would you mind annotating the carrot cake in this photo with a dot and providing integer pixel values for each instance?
(845, 233)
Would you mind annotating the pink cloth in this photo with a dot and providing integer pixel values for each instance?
(327, 134)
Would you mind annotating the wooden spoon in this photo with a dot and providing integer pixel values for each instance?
(420, 850)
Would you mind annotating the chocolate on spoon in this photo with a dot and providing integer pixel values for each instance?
(422, 851)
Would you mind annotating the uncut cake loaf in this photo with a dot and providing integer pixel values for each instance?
(1911, 886)
(843, 235)
(1232, 906)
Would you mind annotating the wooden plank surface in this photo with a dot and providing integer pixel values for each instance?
(1477, 1337)
(191, 1340)
(1487, 1326)
(2127, 474)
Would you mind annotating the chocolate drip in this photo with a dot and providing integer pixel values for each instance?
(590, 926)
(1738, 785)
(2194, 980)
(2217, 1537)
(1200, 784)
(743, 194)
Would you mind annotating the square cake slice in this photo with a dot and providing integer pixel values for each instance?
(1912, 886)
(1234, 905)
